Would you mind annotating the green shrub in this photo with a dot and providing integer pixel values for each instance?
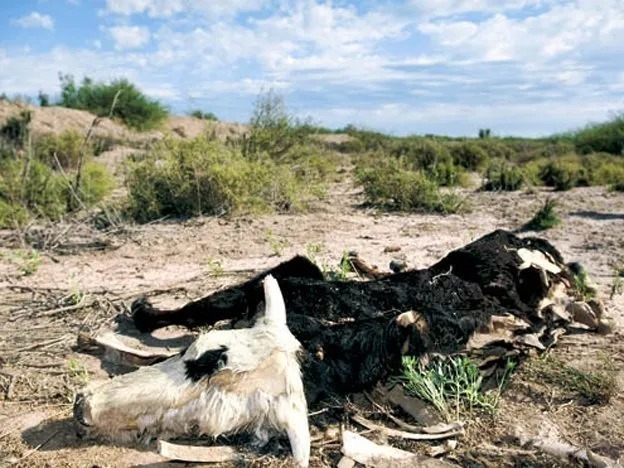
(30, 187)
(469, 155)
(273, 131)
(96, 183)
(203, 176)
(65, 146)
(132, 107)
(501, 176)
(198, 114)
(365, 140)
(607, 137)
(563, 174)
(15, 129)
(618, 186)
(44, 99)
(393, 187)
(545, 218)
(421, 153)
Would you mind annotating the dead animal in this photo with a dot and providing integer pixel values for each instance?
(354, 333)
(227, 381)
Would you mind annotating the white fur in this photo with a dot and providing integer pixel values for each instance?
(258, 390)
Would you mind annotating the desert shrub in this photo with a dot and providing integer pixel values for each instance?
(101, 144)
(503, 176)
(365, 140)
(430, 156)
(421, 153)
(497, 148)
(607, 137)
(96, 183)
(31, 187)
(15, 129)
(44, 99)
(132, 107)
(545, 218)
(203, 176)
(198, 114)
(273, 130)
(605, 170)
(469, 155)
(564, 174)
(66, 147)
(391, 186)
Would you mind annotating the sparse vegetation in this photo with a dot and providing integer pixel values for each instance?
(198, 114)
(545, 218)
(215, 267)
(392, 187)
(204, 176)
(37, 180)
(276, 243)
(28, 261)
(501, 176)
(15, 129)
(583, 287)
(596, 386)
(273, 130)
(452, 386)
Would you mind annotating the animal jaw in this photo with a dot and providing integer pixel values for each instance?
(227, 381)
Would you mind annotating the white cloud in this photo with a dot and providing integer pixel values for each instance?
(168, 8)
(129, 37)
(35, 20)
(444, 8)
(570, 28)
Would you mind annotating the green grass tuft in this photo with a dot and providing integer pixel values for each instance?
(453, 386)
(545, 218)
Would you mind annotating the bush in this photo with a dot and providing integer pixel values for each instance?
(65, 146)
(392, 187)
(545, 218)
(469, 155)
(30, 187)
(203, 176)
(563, 175)
(198, 114)
(132, 107)
(607, 137)
(501, 176)
(618, 186)
(15, 129)
(273, 130)
(96, 183)
(430, 156)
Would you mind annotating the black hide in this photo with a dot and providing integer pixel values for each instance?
(349, 330)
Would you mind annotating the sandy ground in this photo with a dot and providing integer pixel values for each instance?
(86, 277)
(176, 261)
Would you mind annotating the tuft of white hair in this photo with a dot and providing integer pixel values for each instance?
(257, 389)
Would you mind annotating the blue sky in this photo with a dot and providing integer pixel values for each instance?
(519, 67)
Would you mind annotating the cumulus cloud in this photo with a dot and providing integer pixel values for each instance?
(129, 37)
(409, 66)
(35, 20)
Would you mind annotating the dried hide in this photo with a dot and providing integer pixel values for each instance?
(227, 381)
(500, 295)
